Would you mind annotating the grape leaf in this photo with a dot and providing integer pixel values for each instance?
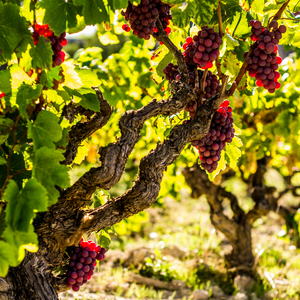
(5, 81)
(18, 242)
(41, 54)
(231, 66)
(94, 11)
(118, 4)
(86, 97)
(59, 14)
(49, 172)
(240, 25)
(233, 153)
(17, 164)
(13, 29)
(48, 76)
(6, 126)
(5, 258)
(204, 11)
(181, 17)
(23, 203)
(26, 96)
(105, 239)
(45, 130)
(88, 77)
(163, 63)
(221, 166)
(72, 79)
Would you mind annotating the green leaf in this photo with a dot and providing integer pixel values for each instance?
(49, 172)
(45, 130)
(94, 12)
(5, 258)
(181, 17)
(233, 152)
(41, 54)
(230, 42)
(17, 165)
(6, 126)
(204, 11)
(26, 97)
(18, 242)
(86, 97)
(48, 76)
(118, 4)
(230, 66)
(5, 81)
(105, 239)
(23, 203)
(240, 25)
(13, 29)
(59, 14)
(88, 77)
(163, 63)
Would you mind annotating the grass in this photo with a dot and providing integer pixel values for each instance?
(186, 225)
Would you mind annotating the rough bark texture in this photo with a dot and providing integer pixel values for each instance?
(238, 229)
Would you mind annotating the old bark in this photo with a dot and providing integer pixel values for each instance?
(238, 229)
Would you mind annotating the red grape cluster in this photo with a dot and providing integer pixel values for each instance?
(263, 61)
(142, 18)
(57, 42)
(212, 84)
(221, 132)
(82, 263)
(203, 48)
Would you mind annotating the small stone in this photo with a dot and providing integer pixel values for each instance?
(200, 295)
(217, 292)
(240, 296)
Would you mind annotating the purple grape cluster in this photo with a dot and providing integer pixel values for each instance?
(221, 132)
(171, 72)
(203, 48)
(82, 263)
(263, 61)
(142, 18)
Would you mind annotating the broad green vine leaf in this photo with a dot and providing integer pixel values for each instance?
(6, 126)
(13, 29)
(59, 14)
(231, 66)
(204, 11)
(105, 239)
(42, 54)
(240, 26)
(181, 16)
(163, 63)
(221, 166)
(88, 77)
(23, 203)
(94, 11)
(5, 258)
(49, 172)
(233, 152)
(48, 76)
(26, 97)
(45, 130)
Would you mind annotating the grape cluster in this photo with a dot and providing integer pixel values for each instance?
(82, 263)
(203, 48)
(221, 132)
(57, 42)
(263, 61)
(142, 18)
(211, 85)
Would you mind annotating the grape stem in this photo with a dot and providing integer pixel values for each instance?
(245, 64)
(162, 36)
(218, 65)
(202, 86)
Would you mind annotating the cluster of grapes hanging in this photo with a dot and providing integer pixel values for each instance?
(57, 42)
(263, 61)
(82, 263)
